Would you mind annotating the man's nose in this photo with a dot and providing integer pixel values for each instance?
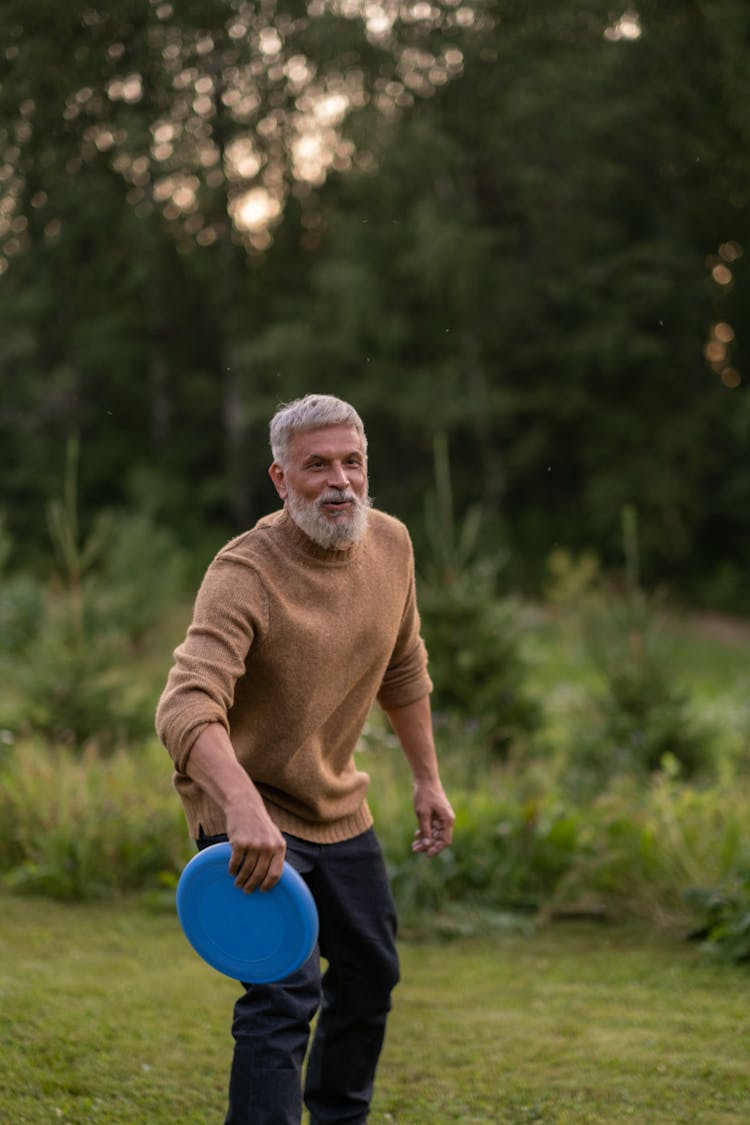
(337, 477)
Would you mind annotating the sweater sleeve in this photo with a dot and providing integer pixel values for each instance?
(406, 678)
(230, 615)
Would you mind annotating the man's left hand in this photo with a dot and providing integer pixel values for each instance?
(435, 817)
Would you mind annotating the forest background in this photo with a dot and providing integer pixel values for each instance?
(523, 226)
(515, 237)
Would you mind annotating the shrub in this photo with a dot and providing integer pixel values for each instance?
(725, 913)
(643, 847)
(141, 573)
(473, 636)
(523, 845)
(82, 826)
(70, 650)
(502, 866)
(511, 845)
(476, 662)
(638, 715)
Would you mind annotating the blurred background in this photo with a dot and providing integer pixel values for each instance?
(515, 236)
(520, 228)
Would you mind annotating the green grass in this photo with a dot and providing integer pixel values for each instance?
(108, 1016)
(707, 653)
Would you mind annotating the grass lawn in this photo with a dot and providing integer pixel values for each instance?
(108, 1016)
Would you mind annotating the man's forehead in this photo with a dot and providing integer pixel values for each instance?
(328, 441)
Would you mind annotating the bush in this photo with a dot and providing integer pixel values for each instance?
(524, 846)
(725, 911)
(644, 847)
(82, 826)
(479, 673)
(637, 716)
(141, 572)
(71, 644)
(505, 862)
(473, 636)
(640, 717)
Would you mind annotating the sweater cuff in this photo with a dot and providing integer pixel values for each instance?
(401, 695)
(180, 743)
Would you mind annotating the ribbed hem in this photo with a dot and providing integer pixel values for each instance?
(202, 812)
(327, 832)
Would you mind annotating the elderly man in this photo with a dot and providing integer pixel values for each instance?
(299, 626)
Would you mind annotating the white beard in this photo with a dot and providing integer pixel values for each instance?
(329, 534)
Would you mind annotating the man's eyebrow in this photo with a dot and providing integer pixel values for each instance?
(324, 456)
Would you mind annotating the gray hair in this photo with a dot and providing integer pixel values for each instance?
(310, 413)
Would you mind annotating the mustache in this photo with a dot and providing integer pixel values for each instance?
(337, 495)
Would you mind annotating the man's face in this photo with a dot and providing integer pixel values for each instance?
(324, 484)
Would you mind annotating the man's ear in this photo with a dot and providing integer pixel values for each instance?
(276, 473)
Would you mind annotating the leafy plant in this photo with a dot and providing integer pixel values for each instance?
(20, 604)
(72, 641)
(84, 826)
(473, 636)
(638, 716)
(725, 930)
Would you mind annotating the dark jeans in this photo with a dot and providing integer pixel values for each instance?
(272, 1021)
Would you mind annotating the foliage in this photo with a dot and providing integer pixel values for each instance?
(84, 826)
(20, 603)
(525, 229)
(638, 717)
(725, 913)
(70, 651)
(474, 637)
(641, 852)
(90, 812)
(634, 852)
(506, 860)
(477, 663)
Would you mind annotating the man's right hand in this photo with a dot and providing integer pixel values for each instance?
(258, 848)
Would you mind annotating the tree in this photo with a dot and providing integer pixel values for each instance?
(533, 274)
(522, 226)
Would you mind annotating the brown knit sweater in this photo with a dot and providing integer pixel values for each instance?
(289, 647)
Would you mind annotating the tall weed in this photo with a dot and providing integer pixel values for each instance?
(645, 848)
(78, 826)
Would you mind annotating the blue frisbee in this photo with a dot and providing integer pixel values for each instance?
(258, 937)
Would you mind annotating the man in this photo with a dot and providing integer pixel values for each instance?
(299, 626)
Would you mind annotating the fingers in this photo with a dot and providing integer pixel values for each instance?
(423, 834)
(430, 845)
(257, 867)
(435, 817)
(435, 836)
